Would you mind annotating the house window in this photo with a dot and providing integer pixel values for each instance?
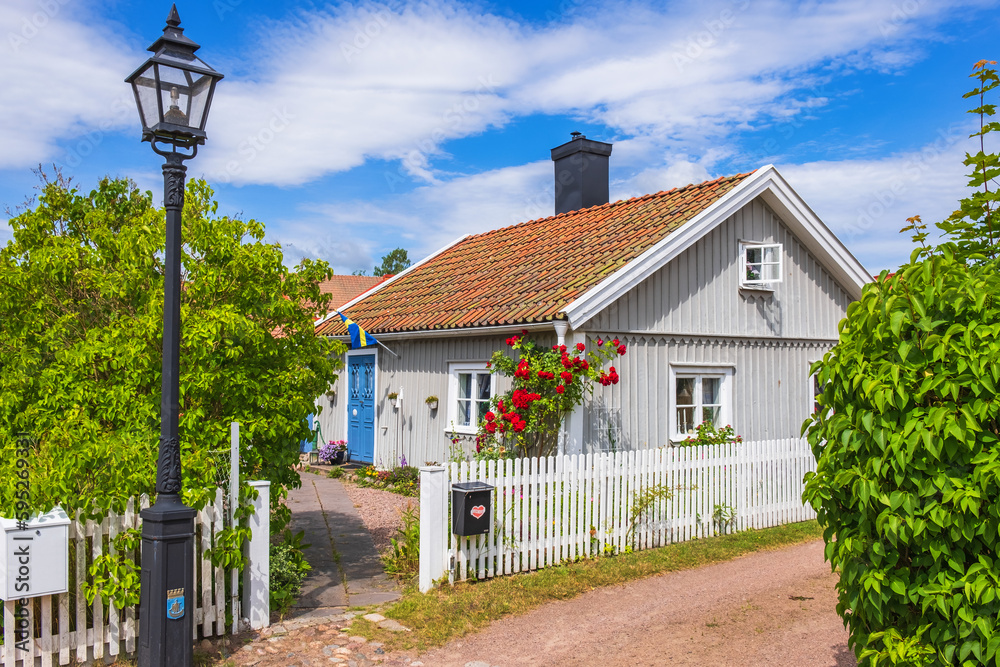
(817, 391)
(699, 394)
(470, 391)
(761, 264)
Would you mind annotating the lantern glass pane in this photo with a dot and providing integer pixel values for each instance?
(200, 88)
(145, 93)
(175, 95)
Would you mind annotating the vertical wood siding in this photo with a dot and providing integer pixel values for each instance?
(421, 370)
(772, 389)
(698, 292)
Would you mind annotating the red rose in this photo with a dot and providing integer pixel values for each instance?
(621, 349)
(600, 342)
(562, 348)
(581, 347)
(560, 389)
(524, 332)
(491, 427)
(566, 376)
(615, 342)
(489, 416)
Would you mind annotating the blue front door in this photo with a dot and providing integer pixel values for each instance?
(361, 407)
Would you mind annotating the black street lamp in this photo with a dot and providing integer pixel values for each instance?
(173, 90)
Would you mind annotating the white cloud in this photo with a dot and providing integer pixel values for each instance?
(867, 202)
(372, 82)
(61, 77)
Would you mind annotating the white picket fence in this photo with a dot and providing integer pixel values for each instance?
(66, 628)
(546, 511)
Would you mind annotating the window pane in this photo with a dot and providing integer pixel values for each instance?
(770, 254)
(754, 255)
(685, 420)
(771, 272)
(685, 391)
(463, 412)
(483, 408)
(711, 415)
(483, 380)
(465, 385)
(710, 391)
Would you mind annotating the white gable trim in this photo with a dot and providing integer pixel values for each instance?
(766, 183)
(391, 280)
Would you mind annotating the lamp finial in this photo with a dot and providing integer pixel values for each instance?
(173, 19)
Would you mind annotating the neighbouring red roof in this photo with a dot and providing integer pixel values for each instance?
(531, 271)
(345, 288)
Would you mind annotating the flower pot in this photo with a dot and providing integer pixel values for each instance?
(338, 458)
(433, 405)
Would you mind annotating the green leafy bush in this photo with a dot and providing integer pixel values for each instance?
(907, 440)
(403, 558)
(288, 568)
(81, 308)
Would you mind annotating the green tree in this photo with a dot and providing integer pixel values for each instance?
(393, 263)
(907, 441)
(81, 298)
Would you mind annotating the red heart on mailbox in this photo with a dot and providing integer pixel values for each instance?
(478, 511)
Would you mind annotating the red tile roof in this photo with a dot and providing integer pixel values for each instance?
(531, 271)
(345, 288)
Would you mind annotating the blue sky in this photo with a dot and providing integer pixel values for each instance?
(352, 128)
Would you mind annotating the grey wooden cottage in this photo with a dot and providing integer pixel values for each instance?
(724, 293)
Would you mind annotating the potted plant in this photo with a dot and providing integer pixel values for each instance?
(432, 402)
(394, 397)
(333, 452)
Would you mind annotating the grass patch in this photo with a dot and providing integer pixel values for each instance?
(447, 613)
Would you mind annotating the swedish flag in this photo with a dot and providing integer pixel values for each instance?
(359, 337)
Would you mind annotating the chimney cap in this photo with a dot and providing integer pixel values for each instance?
(577, 135)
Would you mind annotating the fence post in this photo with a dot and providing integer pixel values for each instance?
(433, 519)
(256, 590)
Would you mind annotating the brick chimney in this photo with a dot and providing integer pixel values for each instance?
(581, 171)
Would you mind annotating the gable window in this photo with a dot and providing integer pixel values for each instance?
(699, 394)
(469, 393)
(761, 264)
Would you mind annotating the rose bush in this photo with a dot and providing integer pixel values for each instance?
(547, 385)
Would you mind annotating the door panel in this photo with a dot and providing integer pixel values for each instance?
(361, 408)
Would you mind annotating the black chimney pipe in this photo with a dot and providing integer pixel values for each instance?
(581, 171)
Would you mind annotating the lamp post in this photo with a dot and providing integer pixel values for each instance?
(173, 90)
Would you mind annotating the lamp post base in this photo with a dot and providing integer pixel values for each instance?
(166, 606)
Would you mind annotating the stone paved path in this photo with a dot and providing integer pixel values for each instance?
(334, 530)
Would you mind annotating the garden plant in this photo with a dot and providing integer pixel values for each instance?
(907, 439)
(547, 384)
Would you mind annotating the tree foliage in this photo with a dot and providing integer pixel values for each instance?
(81, 307)
(392, 263)
(907, 440)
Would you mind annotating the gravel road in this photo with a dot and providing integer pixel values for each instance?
(771, 608)
(380, 510)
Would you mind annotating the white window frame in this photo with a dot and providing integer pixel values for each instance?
(762, 283)
(454, 368)
(725, 373)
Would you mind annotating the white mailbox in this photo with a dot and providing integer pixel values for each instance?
(34, 561)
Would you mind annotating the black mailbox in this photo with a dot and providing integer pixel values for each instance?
(471, 508)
